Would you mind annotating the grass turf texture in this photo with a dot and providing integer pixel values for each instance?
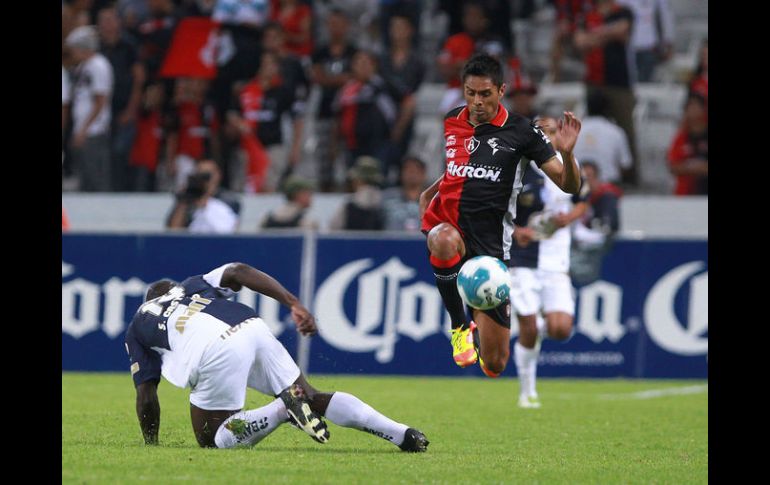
(588, 431)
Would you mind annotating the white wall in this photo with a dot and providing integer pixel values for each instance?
(641, 216)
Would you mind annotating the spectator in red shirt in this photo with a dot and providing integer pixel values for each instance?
(190, 124)
(145, 151)
(295, 17)
(257, 114)
(688, 156)
(458, 48)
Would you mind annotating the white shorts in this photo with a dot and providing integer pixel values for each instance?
(533, 289)
(249, 357)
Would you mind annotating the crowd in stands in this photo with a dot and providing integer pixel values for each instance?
(157, 92)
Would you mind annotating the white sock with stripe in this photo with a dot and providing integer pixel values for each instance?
(526, 366)
(350, 412)
(253, 427)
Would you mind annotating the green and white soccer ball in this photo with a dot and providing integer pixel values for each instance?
(484, 282)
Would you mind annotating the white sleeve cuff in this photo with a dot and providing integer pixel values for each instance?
(214, 277)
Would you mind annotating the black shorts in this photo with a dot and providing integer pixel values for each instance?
(501, 314)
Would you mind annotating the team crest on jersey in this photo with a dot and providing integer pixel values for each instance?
(471, 144)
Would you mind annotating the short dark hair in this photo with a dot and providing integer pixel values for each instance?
(591, 164)
(403, 13)
(484, 65)
(159, 288)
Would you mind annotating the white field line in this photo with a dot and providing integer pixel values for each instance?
(653, 393)
(648, 394)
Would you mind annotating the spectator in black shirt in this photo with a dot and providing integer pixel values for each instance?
(604, 37)
(403, 69)
(330, 70)
(362, 210)
(294, 80)
(129, 75)
(257, 113)
(367, 112)
(294, 213)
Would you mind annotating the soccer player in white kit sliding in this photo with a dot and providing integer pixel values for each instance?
(540, 258)
(194, 336)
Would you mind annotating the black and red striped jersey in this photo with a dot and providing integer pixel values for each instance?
(484, 170)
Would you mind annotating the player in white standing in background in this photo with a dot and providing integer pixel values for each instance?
(193, 335)
(540, 268)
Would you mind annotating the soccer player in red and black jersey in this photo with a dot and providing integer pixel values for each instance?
(469, 210)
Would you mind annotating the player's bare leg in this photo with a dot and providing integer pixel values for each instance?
(347, 410)
(206, 423)
(447, 250)
(494, 341)
(559, 325)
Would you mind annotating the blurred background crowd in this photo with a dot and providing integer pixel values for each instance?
(211, 99)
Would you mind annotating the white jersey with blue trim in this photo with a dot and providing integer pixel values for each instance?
(554, 251)
(539, 201)
(169, 334)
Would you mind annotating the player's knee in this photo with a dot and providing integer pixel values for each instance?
(527, 326)
(444, 241)
(560, 326)
(494, 365)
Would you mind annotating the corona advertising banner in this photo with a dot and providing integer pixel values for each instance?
(377, 307)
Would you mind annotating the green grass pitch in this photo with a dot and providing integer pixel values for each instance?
(588, 431)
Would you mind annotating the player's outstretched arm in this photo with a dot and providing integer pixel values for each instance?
(238, 275)
(148, 411)
(567, 175)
